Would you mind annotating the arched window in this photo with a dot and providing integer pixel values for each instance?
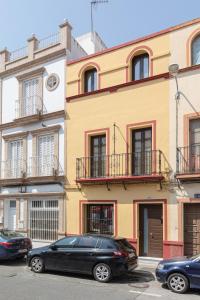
(140, 66)
(90, 80)
(195, 51)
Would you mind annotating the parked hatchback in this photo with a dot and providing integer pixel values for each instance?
(98, 255)
(13, 245)
(180, 273)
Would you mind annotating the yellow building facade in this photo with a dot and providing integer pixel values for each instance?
(117, 145)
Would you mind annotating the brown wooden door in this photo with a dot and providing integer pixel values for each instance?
(151, 230)
(192, 229)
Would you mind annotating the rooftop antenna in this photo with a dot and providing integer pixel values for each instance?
(93, 4)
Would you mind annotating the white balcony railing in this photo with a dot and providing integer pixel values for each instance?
(29, 106)
(47, 165)
(13, 168)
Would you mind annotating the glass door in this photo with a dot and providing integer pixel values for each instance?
(98, 156)
(142, 151)
(194, 148)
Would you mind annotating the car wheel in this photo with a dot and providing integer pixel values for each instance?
(178, 283)
(102, 273)
(37, 264)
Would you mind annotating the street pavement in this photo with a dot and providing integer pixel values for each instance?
(17, 282)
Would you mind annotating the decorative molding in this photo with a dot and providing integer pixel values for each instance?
(25, 63)
(18, 135)
(33, 73)
(35, 118)
(24, 195)
(48, 129)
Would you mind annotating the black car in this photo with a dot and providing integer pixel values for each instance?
(98, 255)
(13, 245)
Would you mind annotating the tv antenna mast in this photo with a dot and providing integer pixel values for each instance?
(93, 4)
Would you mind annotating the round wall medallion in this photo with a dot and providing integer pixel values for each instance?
(52, 82)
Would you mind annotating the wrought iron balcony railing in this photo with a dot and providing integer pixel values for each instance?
(147, 163)
(13, 168)
(47, 165)
(29, 106)
(189, 159)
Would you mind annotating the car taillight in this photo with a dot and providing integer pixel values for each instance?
(6, 244)
(120, 253)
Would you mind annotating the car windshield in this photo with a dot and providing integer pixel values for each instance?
(194, 257)
(9, 233)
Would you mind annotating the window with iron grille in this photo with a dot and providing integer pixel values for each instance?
(100, 219)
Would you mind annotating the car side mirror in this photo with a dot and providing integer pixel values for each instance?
(53, 247)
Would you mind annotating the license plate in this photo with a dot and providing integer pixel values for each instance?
(22, 251)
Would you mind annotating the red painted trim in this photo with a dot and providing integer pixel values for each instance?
(173, 243)
(135, 50)
(145, 38)
(151, 178)
(123, 85)
(172, 249)
(181, 202)
(87, 66)
(82, 72)
(82, 202)
(133, 53)
(190, 39)
(89, 133)
(136, 203)
(118, 86)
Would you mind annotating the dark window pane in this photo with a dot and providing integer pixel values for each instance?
(68, 242)
(196, 51)
(124, 245)
(107, 244)
(88, 242)
(140, 67)
(90, 80)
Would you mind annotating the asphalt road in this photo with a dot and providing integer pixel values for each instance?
(17, 282)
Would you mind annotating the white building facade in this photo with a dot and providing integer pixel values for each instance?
(32, 97)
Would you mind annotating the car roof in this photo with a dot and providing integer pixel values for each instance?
(106, 236)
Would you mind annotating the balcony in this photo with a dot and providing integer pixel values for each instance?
(29, 107)
(124, 167)
(188, 163)
(13, 170)
(44, 166)
(40, 169)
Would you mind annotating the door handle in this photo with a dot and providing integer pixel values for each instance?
(151, 235)
(68, 253)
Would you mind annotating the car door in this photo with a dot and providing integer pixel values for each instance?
(193, 269)
(58, 254)
(83, 254)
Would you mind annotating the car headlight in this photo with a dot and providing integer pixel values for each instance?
(160, 266)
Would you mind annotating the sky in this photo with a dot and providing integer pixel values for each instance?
(117, 21)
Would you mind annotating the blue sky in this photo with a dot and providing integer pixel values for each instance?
(116, 22)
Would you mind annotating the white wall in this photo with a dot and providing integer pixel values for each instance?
(53, 101)
(34, 126)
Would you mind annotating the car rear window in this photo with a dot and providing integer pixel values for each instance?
(123, 244)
